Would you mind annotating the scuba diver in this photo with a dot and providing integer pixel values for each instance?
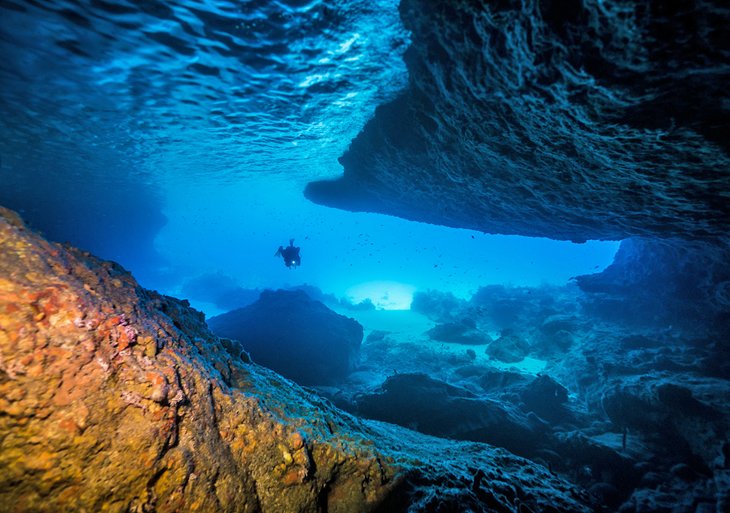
(290, 254)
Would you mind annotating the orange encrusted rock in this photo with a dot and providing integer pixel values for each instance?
(115, 398)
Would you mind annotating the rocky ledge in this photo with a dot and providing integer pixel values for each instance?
(116, 398)
(570, 120)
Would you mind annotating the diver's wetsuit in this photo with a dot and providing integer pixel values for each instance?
(290, 254)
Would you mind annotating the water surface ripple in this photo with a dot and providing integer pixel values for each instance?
(213, 88)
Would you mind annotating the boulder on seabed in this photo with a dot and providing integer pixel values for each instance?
(546, 397)
(294, 335)
(509, 348)
(435, 407)
(463, 331)
(559, 322)
(493, 380)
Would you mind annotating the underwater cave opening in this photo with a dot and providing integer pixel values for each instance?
(224, 236)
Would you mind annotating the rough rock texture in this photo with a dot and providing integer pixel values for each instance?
(437, 408)
(508, 348)
(296, 336)
(574, 120)
(461, 332)
(114, 398)
(667, 283)
(637, 414)
(660, 406)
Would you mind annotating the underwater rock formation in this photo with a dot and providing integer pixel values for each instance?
(461, 332)
(512, 307)
(115, 398)
(298, 337)
(508, 348)
(437, 408)
(545, 397)
(666, 407)
(685, 284)
(635, 413)
(585, 120)
(436, 305)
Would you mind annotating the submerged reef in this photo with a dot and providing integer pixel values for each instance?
(116, 398)
(570, 120)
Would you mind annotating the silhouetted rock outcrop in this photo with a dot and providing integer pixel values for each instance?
(294, 335)
(460, 332)
(434, 407)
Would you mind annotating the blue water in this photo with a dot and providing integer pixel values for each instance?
(176, 138)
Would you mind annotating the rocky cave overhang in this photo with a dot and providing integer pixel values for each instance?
(568, 120)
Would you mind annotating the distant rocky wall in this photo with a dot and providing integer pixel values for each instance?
(670, 283)
(115, 398)
(571, 120)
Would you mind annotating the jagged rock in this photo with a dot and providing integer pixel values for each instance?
(595, 464)
(579, 121)
(546, 397)
(508, 348)
(666, 283)
(693, 426)
(115, 398)
(460, 332)
(434, 407)
(294, 335)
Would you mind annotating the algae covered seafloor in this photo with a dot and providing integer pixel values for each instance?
(115, 398)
